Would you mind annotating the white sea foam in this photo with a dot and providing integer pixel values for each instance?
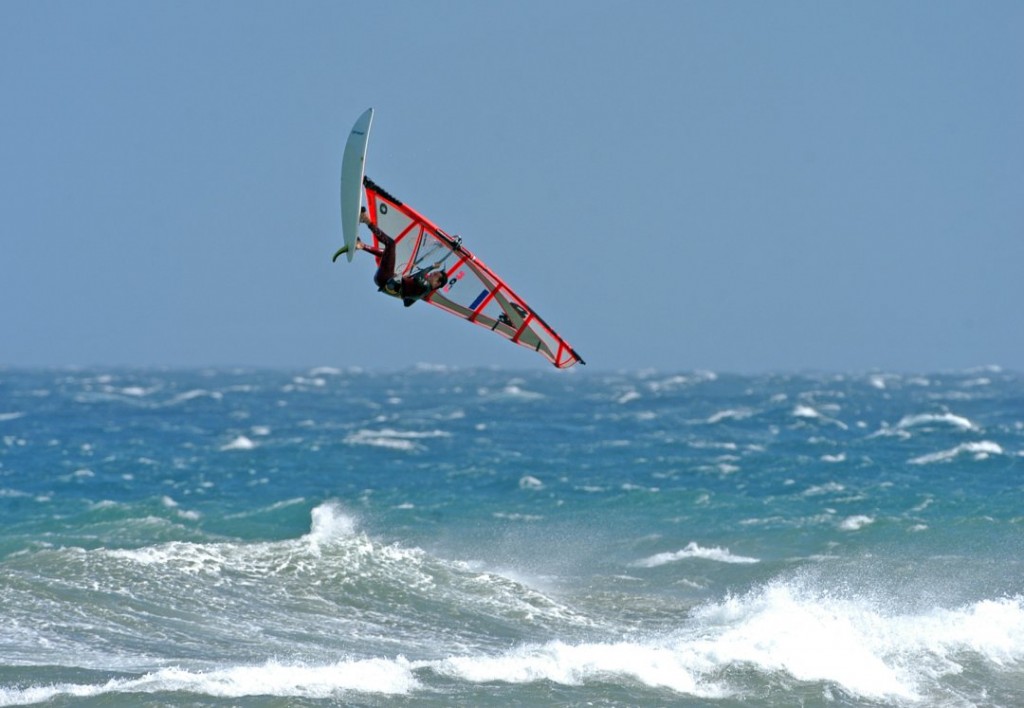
(513, 390)
(330, 521)
(239, 443)
(855, 523)
(14, 415)
(868, 649)
(924, 419)
(187, 558)
(630, 395)
(403, 440)
(806, 412)
(572, 665)
(829, 488)
(530, 482)
(731, 414)
(379, 676)
(692, 550)
(182, 513)
(193, 394)
(786, 631)
(136, 391)
(978, 450)
(878, 381)
(872, 653)
(679, 380)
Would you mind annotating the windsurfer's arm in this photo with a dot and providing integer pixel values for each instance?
(421, 275)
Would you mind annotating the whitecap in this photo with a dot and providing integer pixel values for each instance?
(731, 414)
(405, 441)
(802, 411)
(808, 413)
(136, 391)
(193, 394)
(811, 637)
(877, 381)
(180, 513)
(14, 415)
(979, 450)
(692, 550)
(679, 380)
(920, 419)
(330, 521)
(372, 676)
(530, 482)
(628, 396)
(514, 391)
(239, 443)
(13, 493)
(571, 665)
(630, 487)
(855, 523)
(829, 488)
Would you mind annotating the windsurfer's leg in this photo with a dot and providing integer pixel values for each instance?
(372, 250)
(377, 231)
(381, 236)
(360, 246)
(386, 269)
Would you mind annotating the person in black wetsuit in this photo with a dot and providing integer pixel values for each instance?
(409, 288)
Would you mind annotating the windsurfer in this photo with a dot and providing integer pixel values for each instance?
(409, 288)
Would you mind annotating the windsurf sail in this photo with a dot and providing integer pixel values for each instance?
(474, 292)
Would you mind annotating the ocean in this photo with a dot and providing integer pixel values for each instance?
(481, 537)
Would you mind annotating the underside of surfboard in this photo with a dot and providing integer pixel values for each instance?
(352, 169)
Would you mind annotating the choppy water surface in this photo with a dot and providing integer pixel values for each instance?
(451, 537)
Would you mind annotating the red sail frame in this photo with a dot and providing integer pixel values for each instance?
(474, 292)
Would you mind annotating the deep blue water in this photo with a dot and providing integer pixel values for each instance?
(482, 537)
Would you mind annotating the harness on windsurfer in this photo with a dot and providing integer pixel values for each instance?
(409, 288)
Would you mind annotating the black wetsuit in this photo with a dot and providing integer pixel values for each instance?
(408, 287)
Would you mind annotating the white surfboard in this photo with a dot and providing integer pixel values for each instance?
(352, 168)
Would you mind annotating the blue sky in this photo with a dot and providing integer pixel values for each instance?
(733, 186)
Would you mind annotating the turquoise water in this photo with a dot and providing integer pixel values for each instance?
(484, 537)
